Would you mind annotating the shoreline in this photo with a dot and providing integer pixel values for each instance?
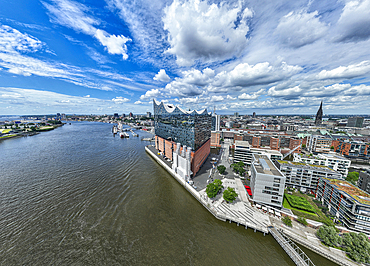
(339, 258)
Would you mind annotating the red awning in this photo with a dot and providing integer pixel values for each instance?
(249, 191)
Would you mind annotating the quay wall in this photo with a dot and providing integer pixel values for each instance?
(196, 195)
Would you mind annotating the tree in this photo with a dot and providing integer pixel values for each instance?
(329, 236)
(229, 194)
(213, 188)
(287, 221)
(357, 246)
(352, 177)
(221, 168)
(303, 146)
(332, 147)
(302, 220)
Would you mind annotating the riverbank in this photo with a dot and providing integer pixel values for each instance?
(29, 133)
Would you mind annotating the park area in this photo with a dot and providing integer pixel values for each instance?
(303, 205)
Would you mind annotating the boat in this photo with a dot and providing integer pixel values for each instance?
(114, 130)
(124, 135)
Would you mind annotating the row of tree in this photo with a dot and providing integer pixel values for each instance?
(356, 245)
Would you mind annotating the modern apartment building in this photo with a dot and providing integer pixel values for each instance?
(333, 161)
(352, 149)
(243, 152)
(192, 129)
(364, 180)
(347, 202)
(318, 143)
(305, 176)
(267, 182)
(355, 122)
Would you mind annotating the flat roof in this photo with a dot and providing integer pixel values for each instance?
(263, 160)
(242, 143)
(308, 166)
(267, 151)
(351, 190)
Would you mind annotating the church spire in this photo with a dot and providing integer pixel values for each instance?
(319, 114)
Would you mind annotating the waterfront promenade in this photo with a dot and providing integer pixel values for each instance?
(239, 211)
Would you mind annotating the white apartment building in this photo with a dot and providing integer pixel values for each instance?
(331, 160)
(318, 143)
(305, 176)
(267, 182)
(243, 152)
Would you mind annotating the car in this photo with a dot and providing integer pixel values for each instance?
(194, 186)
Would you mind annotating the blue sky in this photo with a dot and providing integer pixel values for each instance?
(97, 57)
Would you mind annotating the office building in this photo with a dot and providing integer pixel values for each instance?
(305, 176)
(148, 114)
(355, 122)
(267, 182)
(347, 202)
(352, 149)
(192, 129)
(331, 160)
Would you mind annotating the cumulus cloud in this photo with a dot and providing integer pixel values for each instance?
(181, 89)
(354, 22)
(252, 96)
(285, 93)
(208, 32)
(300, 28)
(120, 100)
(346, 72)
(138, 102)
(75, 16)
(153, 93)
(162, 76)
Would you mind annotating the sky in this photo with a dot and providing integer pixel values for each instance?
(116, 56)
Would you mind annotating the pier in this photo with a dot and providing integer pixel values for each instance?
(293, 251)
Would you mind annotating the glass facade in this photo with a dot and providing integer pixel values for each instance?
(192, 129)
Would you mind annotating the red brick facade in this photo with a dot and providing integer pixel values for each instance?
(197, 158)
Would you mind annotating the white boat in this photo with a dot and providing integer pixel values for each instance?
(124, 135)
(114, 130)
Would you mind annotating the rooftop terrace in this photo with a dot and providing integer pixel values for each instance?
(351, 190)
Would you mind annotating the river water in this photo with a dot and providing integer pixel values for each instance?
(79, 196)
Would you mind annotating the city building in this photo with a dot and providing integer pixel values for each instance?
(191, 129)
(352, 149)
(364, 180)
(130, 115)
(148, 114)
(242, 152)
(304, 176)
(331, 160)
(347, 202)
(355, 122)
(215, 139)
(318, 119)
(267, 182)
(115, 115)
(318, 143)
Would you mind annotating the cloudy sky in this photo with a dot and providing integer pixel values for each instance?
(268, 57)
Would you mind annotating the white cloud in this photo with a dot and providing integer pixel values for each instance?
(354, 22)
(138, 102)
(74, 15)
(287, 93)
(346, 72)
(153, 93)
(215, 98)
(114, 44)
(120, 100)
(300, 28)
(162, 76)
(252, 96)
(12, 41)
(208, 32)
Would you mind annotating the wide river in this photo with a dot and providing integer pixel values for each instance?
(79, 196)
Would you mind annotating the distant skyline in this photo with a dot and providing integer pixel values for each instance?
(115, 56)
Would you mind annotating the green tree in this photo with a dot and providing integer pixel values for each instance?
(229, 194)
(329, 236)
(213, 188)
(352, 177)
(303, 146)
(332, 147)
(302, 220)
(287, 221)
(357, 246)
(221, 168)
